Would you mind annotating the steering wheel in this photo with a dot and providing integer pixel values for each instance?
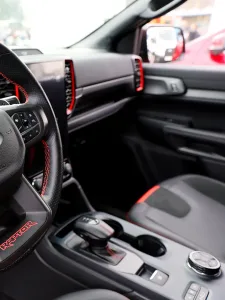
(33, 212)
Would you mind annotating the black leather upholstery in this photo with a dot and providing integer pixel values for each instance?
(93, 295)
(15, 71)
(188, 209)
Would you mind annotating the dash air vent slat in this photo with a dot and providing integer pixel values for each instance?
(138, 74)
(69, 86)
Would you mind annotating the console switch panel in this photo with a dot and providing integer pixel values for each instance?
(196, 292)
(159, 277)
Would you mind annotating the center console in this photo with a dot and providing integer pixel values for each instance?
(98, 249)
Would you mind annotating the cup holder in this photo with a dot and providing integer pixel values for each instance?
(149, 245)
(145, 243)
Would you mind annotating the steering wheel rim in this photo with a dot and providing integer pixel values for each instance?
(37, 210)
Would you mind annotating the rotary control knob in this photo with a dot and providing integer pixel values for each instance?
(204, 264)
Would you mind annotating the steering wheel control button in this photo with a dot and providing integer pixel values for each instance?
(204, 264)
(159, 278)
(17, 121)
(32, 118)
(36, 131)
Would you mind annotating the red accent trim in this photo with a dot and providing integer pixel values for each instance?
(47, 168)
(10, 241)
(19, 86)
(148, 194)
(141, 87)
(17, 91)
(72, 104)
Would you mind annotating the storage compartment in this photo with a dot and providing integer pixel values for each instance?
(145, 243)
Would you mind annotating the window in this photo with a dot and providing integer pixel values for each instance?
(203, 26)
(53, 23)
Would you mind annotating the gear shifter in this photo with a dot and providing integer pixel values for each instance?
(97, 233)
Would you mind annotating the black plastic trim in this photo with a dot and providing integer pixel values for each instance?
(96, 114)
(200, 135)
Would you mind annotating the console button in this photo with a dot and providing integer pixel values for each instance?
(192, 292)
(203, 294)
(159, 277)
(189, 297)
(195, 287)
(204, 264)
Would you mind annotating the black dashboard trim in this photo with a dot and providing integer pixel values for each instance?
(96, 114)
(101, 87)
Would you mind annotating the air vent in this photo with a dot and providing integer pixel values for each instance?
(138, 74)
(69, 86)
(7, 88)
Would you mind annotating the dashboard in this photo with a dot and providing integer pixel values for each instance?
(83, 88)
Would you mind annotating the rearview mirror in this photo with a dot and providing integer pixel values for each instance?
(164, 43)
(217, 48)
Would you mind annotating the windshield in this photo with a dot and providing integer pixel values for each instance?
(53, 23)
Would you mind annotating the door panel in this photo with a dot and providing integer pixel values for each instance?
(181, 134)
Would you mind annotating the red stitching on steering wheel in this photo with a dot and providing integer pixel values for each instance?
(19, 86)
(47, 167)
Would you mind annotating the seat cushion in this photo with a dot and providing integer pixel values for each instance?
(189, 209)
(93, 295)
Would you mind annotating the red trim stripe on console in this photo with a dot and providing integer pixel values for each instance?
(148, 194)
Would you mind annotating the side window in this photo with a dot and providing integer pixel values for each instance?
(192, 34)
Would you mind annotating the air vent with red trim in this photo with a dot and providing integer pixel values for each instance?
(69, 86)
(138, 74)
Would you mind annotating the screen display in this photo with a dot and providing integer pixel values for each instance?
(51, 75)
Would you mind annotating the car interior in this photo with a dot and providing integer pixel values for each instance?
(112, 170)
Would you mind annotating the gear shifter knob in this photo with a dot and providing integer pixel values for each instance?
(96, 232)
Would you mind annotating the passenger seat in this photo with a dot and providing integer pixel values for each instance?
(188, 209)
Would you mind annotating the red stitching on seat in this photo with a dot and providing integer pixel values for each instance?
(19, 86)
(47, 167)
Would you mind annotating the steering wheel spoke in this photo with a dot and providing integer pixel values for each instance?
(29, 119)
(33, 218)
